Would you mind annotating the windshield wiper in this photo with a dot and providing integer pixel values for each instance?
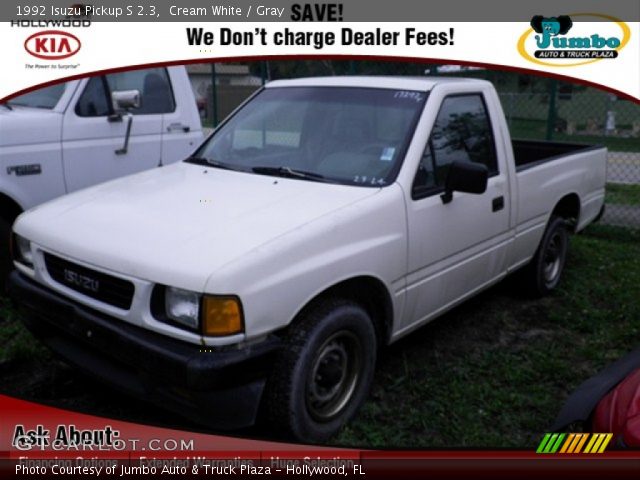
(7, 106)
(209, 162)
(289, 173)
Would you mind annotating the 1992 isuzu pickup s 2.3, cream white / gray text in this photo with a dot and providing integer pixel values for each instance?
(325, 218)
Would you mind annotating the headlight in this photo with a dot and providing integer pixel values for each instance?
(182, 306)
(210, 315)
(23, 252)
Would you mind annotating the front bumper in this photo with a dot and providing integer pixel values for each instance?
(220, 388)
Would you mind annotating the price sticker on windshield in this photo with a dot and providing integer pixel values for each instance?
(387, 154)
(409, 95)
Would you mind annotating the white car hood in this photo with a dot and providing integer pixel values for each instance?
(17, 126)
(179, 224)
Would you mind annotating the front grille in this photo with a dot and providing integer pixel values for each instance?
(100, 286)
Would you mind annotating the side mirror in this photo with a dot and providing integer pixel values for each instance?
(465, 177)
(125, 100)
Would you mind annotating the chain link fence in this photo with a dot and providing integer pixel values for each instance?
(536, 108)
(587, 117)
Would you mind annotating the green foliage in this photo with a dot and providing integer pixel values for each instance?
(16, 343)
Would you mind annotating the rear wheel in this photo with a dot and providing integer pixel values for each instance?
(324, 372)
(545, 270)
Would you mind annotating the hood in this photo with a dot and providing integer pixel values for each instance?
(26, 126)
(179, 224)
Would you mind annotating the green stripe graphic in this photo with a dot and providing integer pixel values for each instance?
(555, 448)
(543, 443)
(549, 446)
(551, 443)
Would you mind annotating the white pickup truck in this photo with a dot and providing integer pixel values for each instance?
(76, 134)
(325, 218)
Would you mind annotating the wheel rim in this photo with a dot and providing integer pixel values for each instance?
(553, 258)
(334, 375)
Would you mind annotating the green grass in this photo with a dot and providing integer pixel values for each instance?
(622, 194)
(496, 371)
(492, 373)
(16, 343)
(614, 144)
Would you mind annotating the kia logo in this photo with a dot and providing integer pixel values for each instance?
(52, 45)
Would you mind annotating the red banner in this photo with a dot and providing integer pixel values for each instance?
(38, 441)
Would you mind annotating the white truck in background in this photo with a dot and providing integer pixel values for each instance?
(325, 218)
(72, 135)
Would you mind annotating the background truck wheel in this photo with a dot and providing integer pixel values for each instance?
(324, 372)
(6, 264)
(544, 272)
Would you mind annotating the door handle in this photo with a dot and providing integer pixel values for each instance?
(127, 136)
(178, 126)
(497, 204)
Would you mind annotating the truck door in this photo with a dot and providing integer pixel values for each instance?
(458, 247)
(94, 135)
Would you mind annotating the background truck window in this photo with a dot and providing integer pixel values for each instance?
(47, 97)
(153, 84)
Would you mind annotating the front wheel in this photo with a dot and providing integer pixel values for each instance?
(545, 270)
(324, 372)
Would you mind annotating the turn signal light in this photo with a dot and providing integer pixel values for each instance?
(221, 316)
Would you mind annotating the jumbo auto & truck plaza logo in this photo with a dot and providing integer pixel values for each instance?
(562, 41)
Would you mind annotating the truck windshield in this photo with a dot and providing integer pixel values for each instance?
(47, 97)
(354, 136)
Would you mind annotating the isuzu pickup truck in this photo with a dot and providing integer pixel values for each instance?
(324, 219)
(72, 135)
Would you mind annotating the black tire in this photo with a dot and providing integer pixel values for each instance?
(324, 372)
(543, 274)
(6, 263)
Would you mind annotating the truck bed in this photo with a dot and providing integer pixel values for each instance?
(561, 170)
(529, 153)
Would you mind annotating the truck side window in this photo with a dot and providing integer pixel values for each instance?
(154, 87)
(153, 84)
(462, 132)
(425, 179)
(94, 101)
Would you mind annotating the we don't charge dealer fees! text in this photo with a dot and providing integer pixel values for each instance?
(318, 39)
